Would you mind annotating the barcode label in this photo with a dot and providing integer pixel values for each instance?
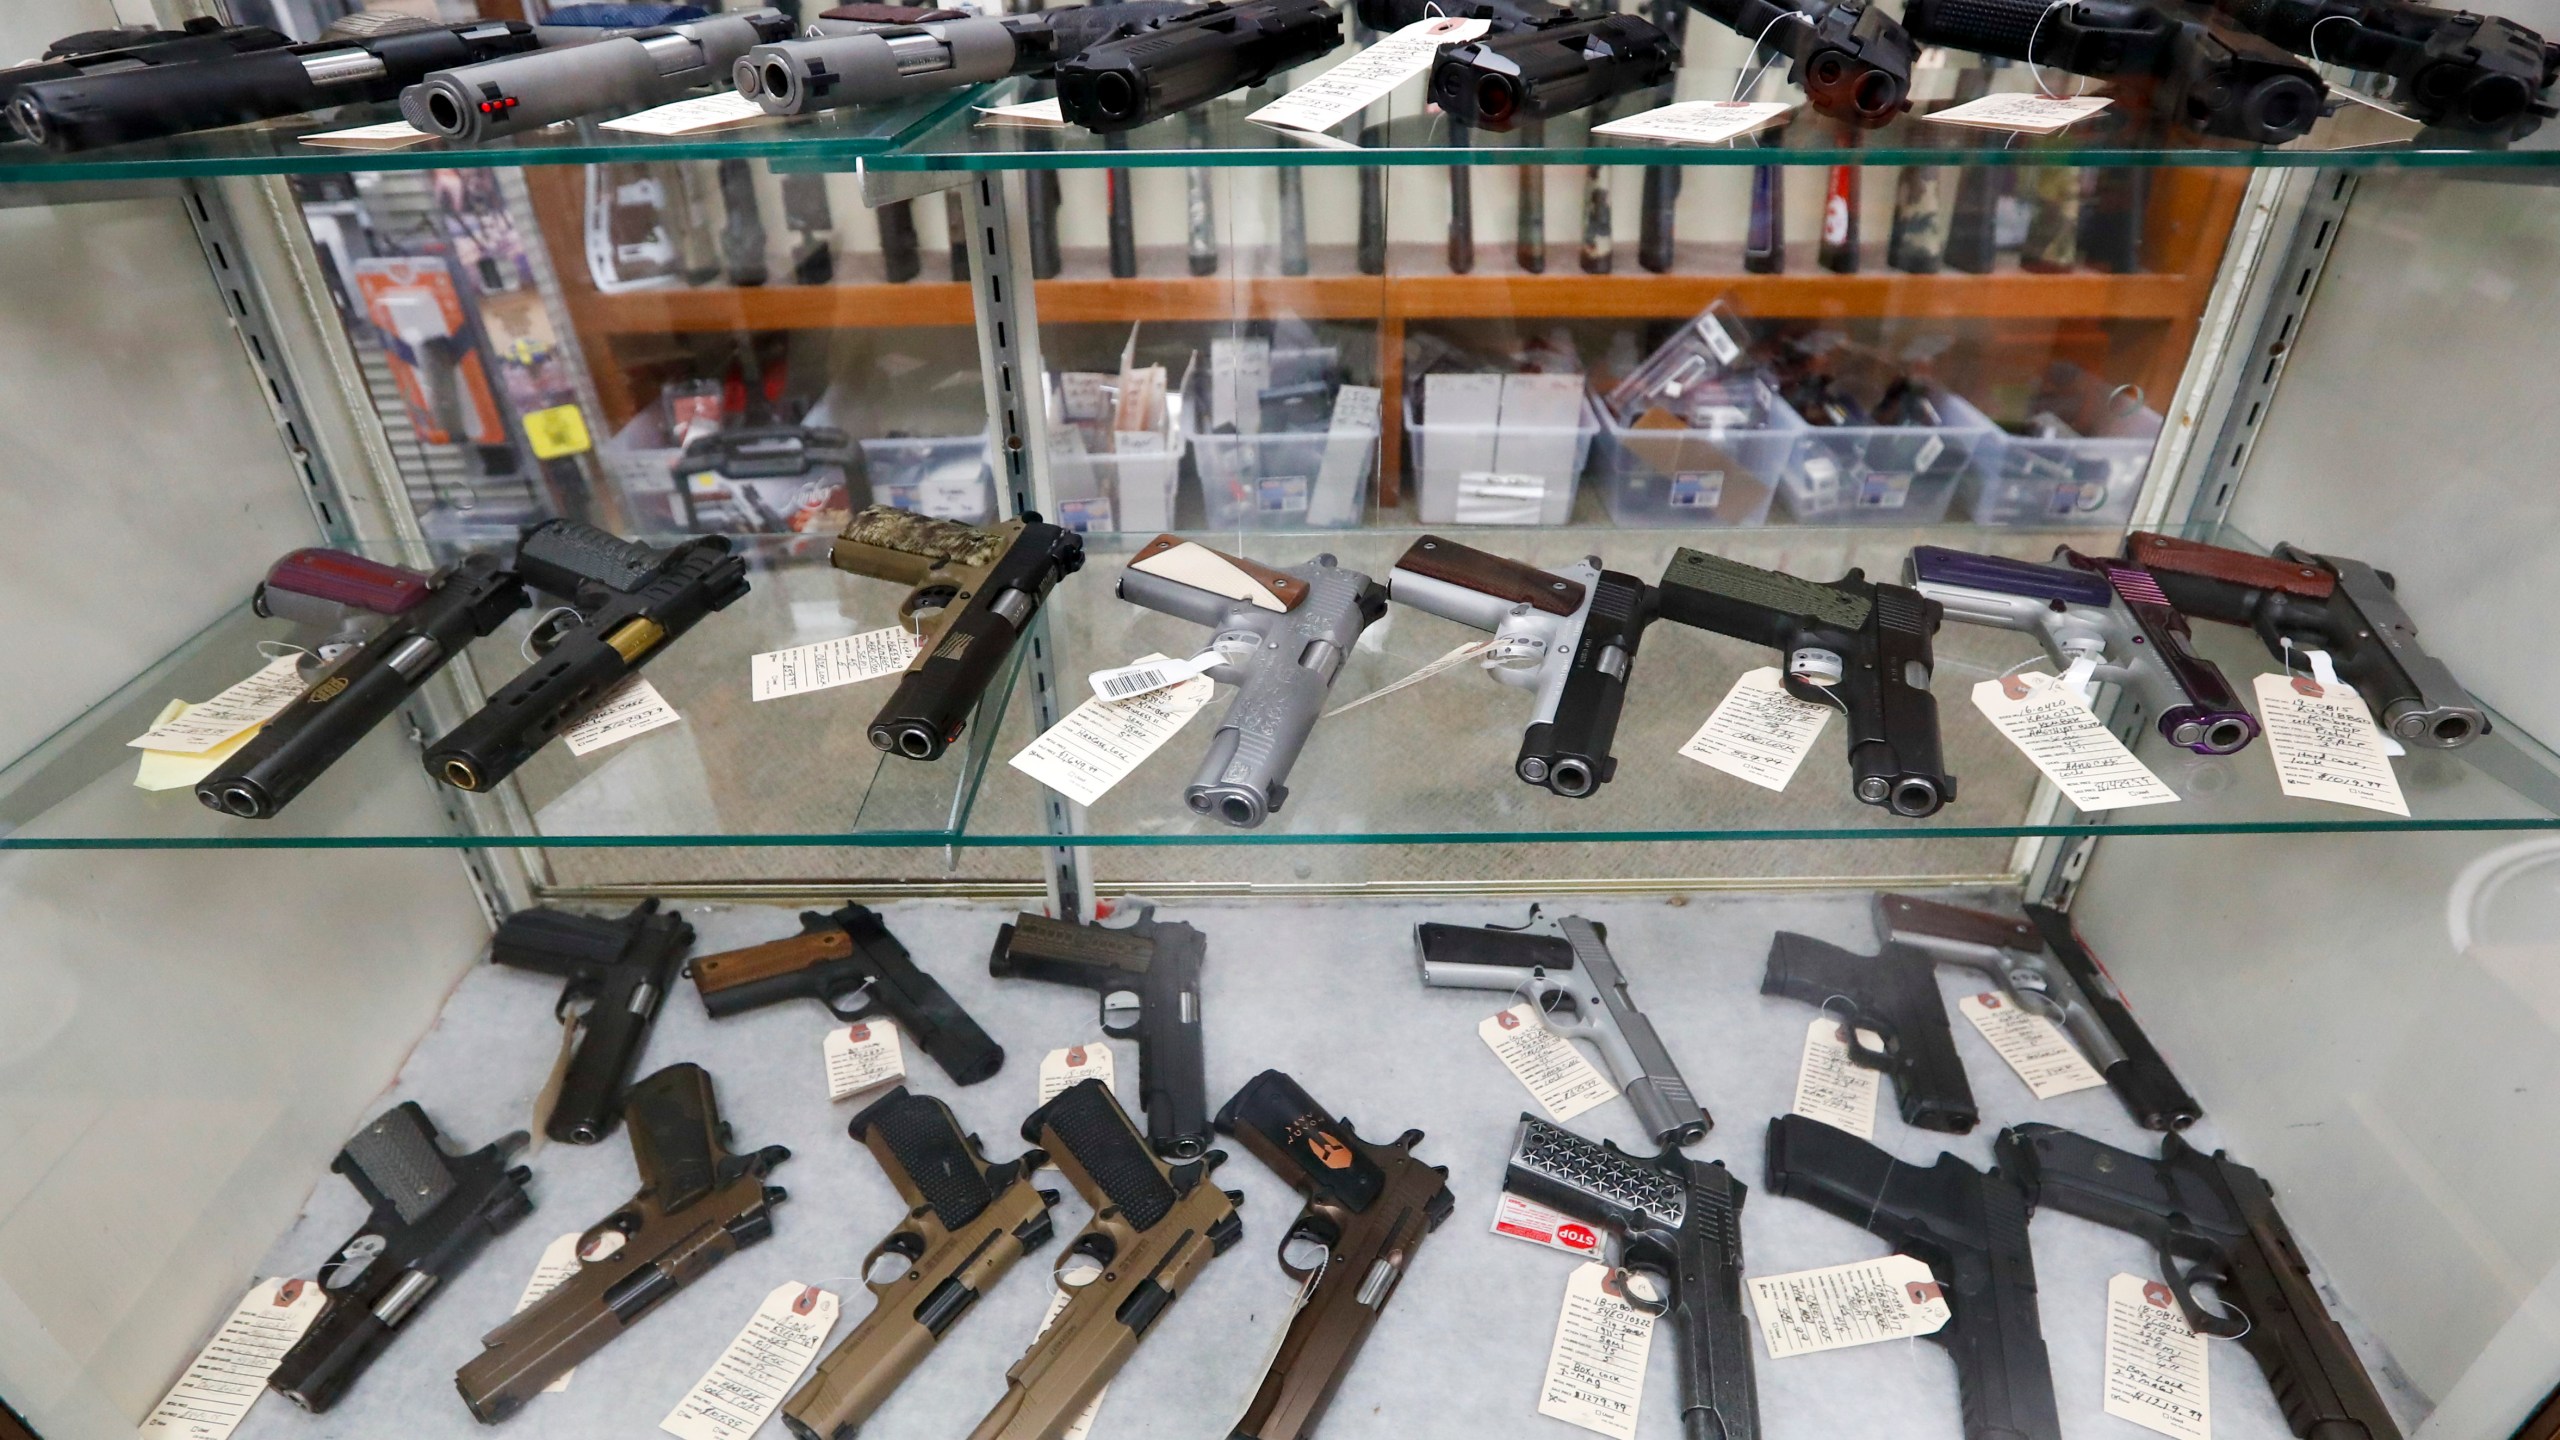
(1128, 682)
(1133, 682)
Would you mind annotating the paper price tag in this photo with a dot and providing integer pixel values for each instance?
(1459, 656)
(230, 1372)
(2035, 1047)
(1528, 1220)
(1062, 1068)
(1368, 77)
(1555, 1074)
(1895, 1298)
(691, 117)
(1127, 682)
(750, 1378)
(2325, 745)
(245, 706)
(1031, 112)
(559, 1261)
(2156, 1363)
(1831, 1087)
(2053, 728)
(393, 135)
(864, 1055)
(1698, 122)
(1595, 1370)
(1098, 743)
(1082, 1425)
(633, 707)
(162, 770)
(2031, 114)
(1758, 732)
(847, 660)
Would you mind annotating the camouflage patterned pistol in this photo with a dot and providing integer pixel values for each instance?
(983, 587)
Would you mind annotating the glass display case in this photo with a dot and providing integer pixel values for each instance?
(2116, 394)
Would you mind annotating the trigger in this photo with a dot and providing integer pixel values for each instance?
(2228, 1322)
(854, 1007)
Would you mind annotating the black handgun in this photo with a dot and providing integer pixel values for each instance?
(628, 602)
(1679, 1223)
(129, 47)
(1563, 65)
(2210, 77)
(1852, 60)
(2449, 67)
(349, 696)
(618, 971)
(1893, 995)
(1171, 65)
(155, 98)
(1148, 975)
(1862, 647)
(1970, 1228)
(850, 956)
(432, 1211)
(2214, 1221)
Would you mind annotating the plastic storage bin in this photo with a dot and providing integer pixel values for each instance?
(1272, 481)
(946, 477)
(1125, 490)
(1467, 474)
(1723, 475)
(2083, 480)
(1883, 474)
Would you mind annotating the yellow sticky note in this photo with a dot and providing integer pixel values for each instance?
(169, 770)
(560, 430)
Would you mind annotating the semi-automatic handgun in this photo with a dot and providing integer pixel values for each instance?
(479, 102)
(341, 597)
(1678, 1224)
(1864, 648)
(1369, 1205)
(982, 587)
(432, 1211)
(1570, 635)
(699, 1203)
(2214, 1221)
(128, 47)
(618, 972)
(2040, 964)
(2298, 602)
(850, 963)
(627, 602)
(1147, 973)
(2211, 77)
(967, 1223)
(1892, 995)
(1281, 636)
(1123, 81)
(2109, 612)
(1563, 966)
(1970, 1228)
(1154, 1226)
(2449, 67)
(1851, 59)
(353, 693)
(840, 63)
(1568, 63)
(161, 95)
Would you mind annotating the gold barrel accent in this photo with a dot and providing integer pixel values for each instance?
(636, 637)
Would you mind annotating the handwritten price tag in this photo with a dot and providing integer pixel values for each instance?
(230, 1373)
(2052, 726)
(1759, 732)
(2324, 745)
(2156, 1365)
(1595, 1370)
(1555, 1074)
(1831, 1087)
(1895, 1298)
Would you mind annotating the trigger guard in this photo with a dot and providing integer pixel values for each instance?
(2229, 1323)
(926, 597)
(1862, 1054)
(863, 1011)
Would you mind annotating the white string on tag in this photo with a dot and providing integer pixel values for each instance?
(2036, 73)
(1742, 86)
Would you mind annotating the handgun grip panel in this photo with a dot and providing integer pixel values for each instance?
(928, 1157)
(564, 556)
(1085, 1128)
(1473, 946)
(1506, 580)
(2170, 557)
(1275, 1118)
(736, 981)
(1829, 1169)
(396, 1164)
(1895, 994)
(917, 1001)
(675, 1134)
(2142, 1079)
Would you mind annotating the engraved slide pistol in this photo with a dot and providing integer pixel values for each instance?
(618, 971)
(1369, 1205)
(628, 603)
(432, 1212)
(850, 963)
(1281, 638)
(1569, 635)
(1679, 1228)
(1154, 1226)
(2212, 1219)
(1893, 995)
(1861, 647)
(967, 1223)
(1564, 967)
(1970, 1228)
(699, 1203)
(1148, 975)
(983, 587)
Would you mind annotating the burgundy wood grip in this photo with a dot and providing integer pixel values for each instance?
(1463, 565)
(1954, 922)
(2190, 557)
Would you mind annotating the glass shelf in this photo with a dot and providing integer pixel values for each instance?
(941, 133)
(1429, 765)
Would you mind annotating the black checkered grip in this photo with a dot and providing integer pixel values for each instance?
(1086, 1123)
(398, 1159)
(920, 1131)
(1987, 27)
(1555, 1159)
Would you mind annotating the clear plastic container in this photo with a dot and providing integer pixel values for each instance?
(947, 477)
(1272, 481)
(1467, 474)
(1883, 474)
(1129, 490)
(1723, 474)
(2065, 480)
